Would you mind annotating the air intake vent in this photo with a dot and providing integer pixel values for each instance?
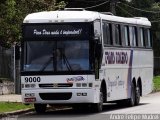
(55, 85)
(55, 96)
(74, 9)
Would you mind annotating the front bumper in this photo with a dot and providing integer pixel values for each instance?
(61, 96)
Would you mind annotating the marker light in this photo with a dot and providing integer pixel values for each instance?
(29, 86)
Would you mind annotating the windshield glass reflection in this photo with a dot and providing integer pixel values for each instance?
(56, 55)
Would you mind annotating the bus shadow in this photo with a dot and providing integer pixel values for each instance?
(114, 106)
(71, 113)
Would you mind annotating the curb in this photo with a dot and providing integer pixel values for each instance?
(16, 112)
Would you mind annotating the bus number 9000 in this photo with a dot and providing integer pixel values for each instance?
(32, 79)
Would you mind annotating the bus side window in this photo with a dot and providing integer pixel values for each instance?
(133, 36)
(147, 37)
(107, 33)
(118, 35)
(142, 37)
(126, 35)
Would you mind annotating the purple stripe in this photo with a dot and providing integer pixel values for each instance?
(129, 78)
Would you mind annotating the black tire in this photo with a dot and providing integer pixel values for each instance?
(98, 107)
(137, 97)
(40, 108)
(131, 101)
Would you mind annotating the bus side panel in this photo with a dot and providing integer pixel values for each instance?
(121, 66)
(146, 71)
(142, 68)
(115, 66)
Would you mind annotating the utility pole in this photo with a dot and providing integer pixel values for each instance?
(113, 6)
(16, 68)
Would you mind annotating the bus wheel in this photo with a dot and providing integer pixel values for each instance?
(137, 97)
(131, 101)
(98, 107)
(40, 108)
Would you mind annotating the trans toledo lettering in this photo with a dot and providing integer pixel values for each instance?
(116, 57)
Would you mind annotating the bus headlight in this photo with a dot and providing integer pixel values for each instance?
(90, 84)
(30, 95)
(28, 85)
(84, 84)
(32, 85)
(22, 85)
(78, 84)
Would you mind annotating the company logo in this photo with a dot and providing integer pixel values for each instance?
(55, 85)
(75, 79)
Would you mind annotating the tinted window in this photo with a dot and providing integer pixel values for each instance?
(118, 35)
(126, 35)
(107, 33)
(147, 37)
(141, 37)
(68, 55)
(133, 36)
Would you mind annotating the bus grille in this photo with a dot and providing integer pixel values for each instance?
(55, 96)
(55, 85)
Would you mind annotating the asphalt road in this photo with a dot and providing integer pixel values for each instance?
(149, 105)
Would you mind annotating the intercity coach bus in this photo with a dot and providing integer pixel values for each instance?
(84, 59)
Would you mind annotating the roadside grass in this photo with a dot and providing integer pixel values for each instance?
(156, 82)
(11, 106)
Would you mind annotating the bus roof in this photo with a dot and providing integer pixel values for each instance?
(80, 16)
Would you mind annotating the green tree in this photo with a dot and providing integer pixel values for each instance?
(6, 21)
(13, 12)
(144, 8)
(156, 28)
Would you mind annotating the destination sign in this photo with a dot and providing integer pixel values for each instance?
(75, 30)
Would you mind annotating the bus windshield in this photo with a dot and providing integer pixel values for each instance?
(56, 47)
(68, 55)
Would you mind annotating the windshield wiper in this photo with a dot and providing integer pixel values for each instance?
(66, 61)
(46, 64)
(55, 61)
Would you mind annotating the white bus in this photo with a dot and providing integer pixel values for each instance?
(84, 59)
